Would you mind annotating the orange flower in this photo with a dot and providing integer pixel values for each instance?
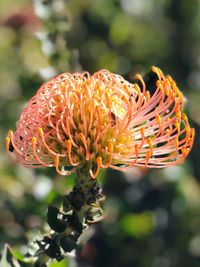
(102, 121)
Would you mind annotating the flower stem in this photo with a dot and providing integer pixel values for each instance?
(80, 208)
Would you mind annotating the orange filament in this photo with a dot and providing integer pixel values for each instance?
(147, 94)
(57, 162)
(148, 156)
(139, 77)
(34, 140)
(110, 150)
(178, 115)
(67, 131)
(10, 135)
(69, 150)
(176, 144)
(159, 121)
(192, 132)
(177, 125)
(136, 151)
(184, 117)
(41, 134)
(137, 88)
(99, 163)
(82, 137)
(98, 126)
(142, 135)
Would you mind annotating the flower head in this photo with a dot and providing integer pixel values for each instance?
(102, 121)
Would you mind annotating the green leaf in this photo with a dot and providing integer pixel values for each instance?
(63, 263)
(7, 259)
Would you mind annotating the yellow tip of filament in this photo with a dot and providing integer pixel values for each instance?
(40, 132)
(156, 71)
(138, 76)
(178, 115)
(184, 152)
(177, 125)
(147, 94)
(192, 132)
(137, 88)
(148, 156)
(34, 139)
(150, 143)
(7, 143)
(184, 117)
(10, 134)
(159, 120)
(167, 131)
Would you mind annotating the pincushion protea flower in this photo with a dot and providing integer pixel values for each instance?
(102, 121)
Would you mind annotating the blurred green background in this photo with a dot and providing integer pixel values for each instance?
(152, 217)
